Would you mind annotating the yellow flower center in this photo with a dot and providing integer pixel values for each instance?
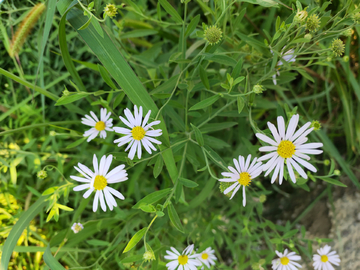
(100, 126)
(183, 259)
(100, 182)
(244, 179)
(324, 258)
(138, 133)
(204, 256)
(284, 260)
(78, 228)
(286, 149)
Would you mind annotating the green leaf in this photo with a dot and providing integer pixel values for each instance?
(152, 198)
(106, 77)
(264, 3)
(170, 10)
(192, 25)
(240, 103)
(98, 243)
(188, 183)
(135, 239)
(148, 208)
(97, 27)
(17, 230)
(76, 143)
(198, 135)
(204, 78)
(175, 218)
(221, 59)
(290, 234)
(204, 103)
(50, 261)
(215, 157)
(131, 259)
(139, 33)
(332, 181)
(300, 40)
(71, 98)
(85, 24)
(217, 126)
(159, 164)
(118, 100)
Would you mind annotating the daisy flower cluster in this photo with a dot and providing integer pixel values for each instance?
(322, 261)
(188, 259)
(287, 150)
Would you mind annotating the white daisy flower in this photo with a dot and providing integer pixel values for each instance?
(207, 257)
(286, 261)
(99, 181)
(138, 133)
(242, 175)
(325, 258)
(287, 57)
(289, 148)
(97, 126)
(184, 261)
(77, 227)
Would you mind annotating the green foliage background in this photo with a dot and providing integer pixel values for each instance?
(153, 54)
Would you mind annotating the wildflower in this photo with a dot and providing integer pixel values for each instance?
(77, 227)
(207, 257)
(149, 255)
(338, 47)
(213, 34)
(41, 174)
(316, 125)
(242, 175)
(138, 133)
(110, 10)
(324, 259)
(287, 57)
(99, 181)
(258, 89)
(300, 16)
(286, 261)
(313, 23)
(97, 126)
(289, 148)
(185, 261)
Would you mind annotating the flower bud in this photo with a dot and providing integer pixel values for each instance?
(149, 255)
(338, 47)
(337, 172)
(326, 162)
(42, 174)
(346, 58)
(258, 89)
(110, 10)
(213, 34)
(308, 36)
(316, 125)
(347, 32)
(300, 16)
(313, 23)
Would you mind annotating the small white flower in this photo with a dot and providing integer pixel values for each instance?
(289, 148)
(99, 181)
(77, 227)
(324, 260)
(286, 261)
(184, 261)
(242, 175)
(138, 133)
(287, 57)
(207, 257)
(97, 126)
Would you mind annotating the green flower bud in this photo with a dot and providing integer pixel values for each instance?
(42, 174)
(313, 23)
(347, 32)
(308, 36)
(65, 93)
(262, 198)
(346, 58)
(337, 172)
(149, 255)
(338, 47)
(316, 125)
(225, 185)
(52, 133)
(213, 34)
(258, 89)
(356, 17)
(329, 59)
(300, 16)
(110, 10)
(326, 162)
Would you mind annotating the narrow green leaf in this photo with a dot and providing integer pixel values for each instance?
(332, 181)
(76, 143)
(106, 77)
(217, 126)
(198, 135)
(50, 261)
(175, 218)
(152, 198)
(98, 27)
(205, 103)
(131, 259)
(17, 230)
(135, 239)
(290, 233)
(215, 157)
(169, 9)
(192, 25)
(86, 24)
(70, 98)
(118, 100)
(221, 59)
(188, 183)
(98, 243)
(240, 103)
(139, 33)
(158, 166)
(204, 78)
